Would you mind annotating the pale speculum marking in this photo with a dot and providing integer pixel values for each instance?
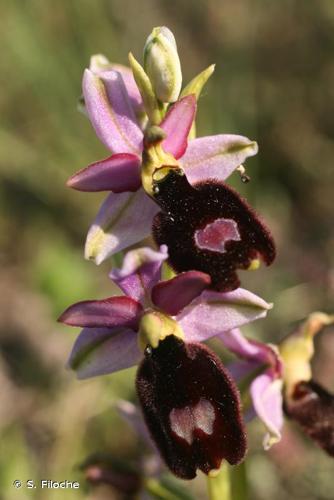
(185, 420)
(216, 234)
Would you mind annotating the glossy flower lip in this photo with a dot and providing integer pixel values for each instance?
(208, 227)
(114, 107)
(109, 339)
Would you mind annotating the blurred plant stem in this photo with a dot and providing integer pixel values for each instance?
(238, 478)
(158, 490)
(219, 487)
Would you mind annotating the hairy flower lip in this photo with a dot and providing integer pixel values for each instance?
(191, 407)
(187, 209)
(312, 407)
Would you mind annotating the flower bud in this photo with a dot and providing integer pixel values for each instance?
(162, 64)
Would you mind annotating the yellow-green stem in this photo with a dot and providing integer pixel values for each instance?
(219, 486)
(239, 482)
(157, 490)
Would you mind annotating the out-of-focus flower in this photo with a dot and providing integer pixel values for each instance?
(261, 365)
(305, 401)
(121, 475)
(282, 379)
(162, 64)
(189, 401)
(112, 102)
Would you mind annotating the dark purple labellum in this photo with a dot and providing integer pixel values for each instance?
(313, 408)
(209, 228)
(191, 407)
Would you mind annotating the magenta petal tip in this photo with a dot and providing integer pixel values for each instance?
(117, 173)
(173, 295)
(177, 124)
(110, 312)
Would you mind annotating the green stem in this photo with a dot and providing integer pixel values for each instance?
(157, 490)
(239, 482)
(219, 486)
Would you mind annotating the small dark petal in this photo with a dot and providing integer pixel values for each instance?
(188, 211)
(105, 469)
(191, 407)
(313, 408)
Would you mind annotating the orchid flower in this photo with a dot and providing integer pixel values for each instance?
(283, 382)
(188, 399)
(109, 340)
(305, 401)
(113, 105)
(262, 363)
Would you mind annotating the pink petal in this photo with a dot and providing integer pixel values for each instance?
(140, 271)
(134, 417)
(98, 351)
(267, 399)
(100, 64)
(118, 173)
(216, 157)
(235, 342)
(109, 109)
(173, 295)
(177, 124)
(253, 353)
(265, 389)
(123, 220)
(131, 87)
(113, 311)
(215, 312)
(241, 369)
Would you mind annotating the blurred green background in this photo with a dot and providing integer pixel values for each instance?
(274, 82)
